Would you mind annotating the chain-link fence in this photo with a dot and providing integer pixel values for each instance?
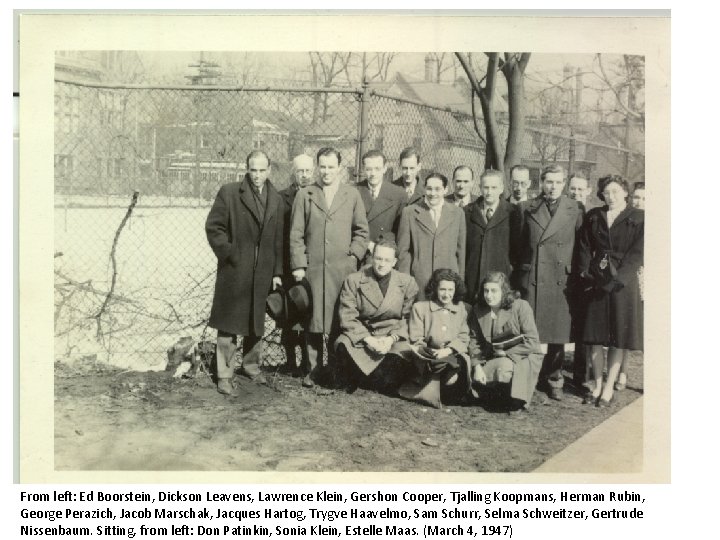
(130, 281)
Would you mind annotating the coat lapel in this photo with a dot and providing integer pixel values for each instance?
(339, 199)
(371, 290)
(624, 215)
(501, 214)
(446, 216)
(561, 217)
(247, 199)
(484, 318)
(422, 216)
(476, 214)
(272, 202)
(538, 212)
(393, 291)
(318, 197)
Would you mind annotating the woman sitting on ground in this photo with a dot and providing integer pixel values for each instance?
(439, 338)
(504, 344)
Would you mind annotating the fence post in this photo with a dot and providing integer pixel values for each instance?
(362, 126)
(571, 153)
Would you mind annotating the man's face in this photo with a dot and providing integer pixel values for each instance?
(434, 192)
(410, 168)
(383, 260)
(463, 182)
(553, 185)
(374, 170)
(328, 167)
(303, 169)
(492, 188)
(638, 199)
(259, 168)
(520, 182)
(578, 189)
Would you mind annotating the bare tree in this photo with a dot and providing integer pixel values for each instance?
(444, 62)
(499, 154)
(325, 68)
(370, 66)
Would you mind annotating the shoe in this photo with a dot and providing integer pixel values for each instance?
(589, 398)
(556, 394)
(620, 386)
(604, 403)
(224, 386)
(307, 382)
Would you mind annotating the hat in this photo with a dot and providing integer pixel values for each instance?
(299, 301)
(276, 305)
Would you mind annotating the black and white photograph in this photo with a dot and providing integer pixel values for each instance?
(353, 261)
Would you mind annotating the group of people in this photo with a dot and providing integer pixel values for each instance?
(437, 296)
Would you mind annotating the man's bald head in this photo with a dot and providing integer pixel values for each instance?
(303, 168)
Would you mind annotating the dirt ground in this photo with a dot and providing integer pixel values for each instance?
(107, 419)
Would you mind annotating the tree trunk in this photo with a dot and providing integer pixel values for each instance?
(514, 71)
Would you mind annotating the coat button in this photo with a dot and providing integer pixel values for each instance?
(560, 282)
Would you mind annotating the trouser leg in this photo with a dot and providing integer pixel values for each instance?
(253, 348)
(580, 365)
(289, 340)
(313, 346)
(226, 347)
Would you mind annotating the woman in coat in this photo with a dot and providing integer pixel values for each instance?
(610, 256)
(426, 243)
(438, 334)
(500, 316)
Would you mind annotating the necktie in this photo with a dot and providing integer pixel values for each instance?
(488, 213)
(434, 215)
(409, 191)
(329, 195)
(375, 194)
(461, 203)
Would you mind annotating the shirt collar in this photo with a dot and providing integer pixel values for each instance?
(434, 306)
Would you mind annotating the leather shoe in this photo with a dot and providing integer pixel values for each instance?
(224, 386)
(589, 398)
(556, 394)
(307, 382)
(604, 403)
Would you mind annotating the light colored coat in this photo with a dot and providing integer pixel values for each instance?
(438, 327)
(363, 312)
(526, 357)
(423, 248)
(327, 243)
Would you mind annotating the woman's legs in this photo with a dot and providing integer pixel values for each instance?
(598, 363)
(615, 360)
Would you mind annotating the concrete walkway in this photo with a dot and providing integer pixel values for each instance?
(591, 453)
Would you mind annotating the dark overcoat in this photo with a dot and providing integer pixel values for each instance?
(364, 311)
(526, 357)
(452, 199)
(423, 248)
(249, 253)
(288, 195)
(383, 213)
(327, 243)
(417, 195)
(614, 314)
(546, 264)
(489, 244)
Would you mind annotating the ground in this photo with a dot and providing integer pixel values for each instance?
(108, 419)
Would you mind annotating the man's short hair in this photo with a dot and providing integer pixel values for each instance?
(491, 172)
(300, 156)
(386, 242)
(552, 169)
(442, 178)
(518, 168)
(373, 154)
(409, 152)
(638, 185)
(580, 176)
(463, 168)
(329, 151)
(256, 154)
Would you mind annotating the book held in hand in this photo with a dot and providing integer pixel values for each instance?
(505, 342)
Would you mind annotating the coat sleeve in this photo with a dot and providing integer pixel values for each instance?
(349, 314)
(476, 341)
(360, 229)
(584, 246)
(461, 340)
(522, 311)
(515, 236)
(411, 292)
(279, 238)
(416, 324)
(216, 229)
(298, 246)
(633, 258)
(461, 241)
(403, 241)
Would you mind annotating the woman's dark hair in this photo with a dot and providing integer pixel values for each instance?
(508, 295)
(609, 179)
(445, 274)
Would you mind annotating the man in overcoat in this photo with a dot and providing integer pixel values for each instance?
(328, 237)
(431, 235)
(463, 184)
(375, 304)
(290, 337)
(410, 167)
(493, 227)
(550, 226)
(519, 183)
(245, 231)
(383, 201)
